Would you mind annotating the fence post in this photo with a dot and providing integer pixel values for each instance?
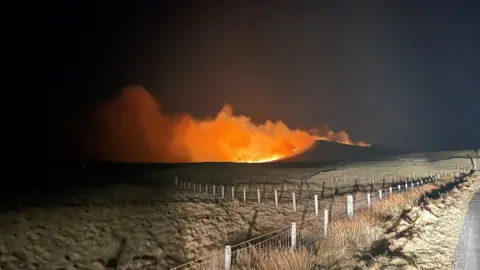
(399, 187)
(474, 161)
(350, 205)
(294, 202)
(185, 185)
(315, 201)
(276, 197)
(200, 188)
(325, 222)
(390, 190)
(193, 186)
(431, 174)
(214, 187)
(421, 182)
(414, 176)
(228, 257)
(176, 180)
(394, 177)
(380, 194)
(233, 193)
(244, 195)
(188, 185)
(258, 195)
(412, 184)
(206, 189)
(406, 186)
(294, 235)
(223, 192)
(369, 199)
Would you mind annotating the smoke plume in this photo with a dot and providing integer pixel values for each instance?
(133, 128)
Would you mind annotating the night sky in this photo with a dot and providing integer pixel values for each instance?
(395, 73)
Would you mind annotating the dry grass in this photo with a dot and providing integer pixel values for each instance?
(427, 236)
(351, 237)
(347, 238)
(162, 228)
(264, 259)
(286, 259)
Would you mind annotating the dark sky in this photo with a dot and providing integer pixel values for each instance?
(396, 73)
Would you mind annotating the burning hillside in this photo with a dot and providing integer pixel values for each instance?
(132, 128)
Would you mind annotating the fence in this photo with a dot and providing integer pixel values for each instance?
(281, 194)
(304, 234)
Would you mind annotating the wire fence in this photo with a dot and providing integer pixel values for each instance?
(274, 193)
(277, 240)
(308, 232)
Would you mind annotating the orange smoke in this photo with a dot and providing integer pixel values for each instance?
(132, 128)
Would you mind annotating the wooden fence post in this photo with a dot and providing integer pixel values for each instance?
(294, 202)
(350, 205)
(228, 257)
(325, 222)
(276, 197)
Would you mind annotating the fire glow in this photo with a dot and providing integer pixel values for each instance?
(132, 128)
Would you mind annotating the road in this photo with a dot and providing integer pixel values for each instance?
(468, 252)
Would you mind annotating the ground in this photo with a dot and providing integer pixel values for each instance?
(427, 236)
(134, 226)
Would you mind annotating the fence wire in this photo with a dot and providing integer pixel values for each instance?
(279, 240)
(213, 261)
(309, 231)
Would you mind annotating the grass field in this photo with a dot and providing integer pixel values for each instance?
(324, 181)
(135, 225)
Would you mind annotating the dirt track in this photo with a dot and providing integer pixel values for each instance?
(467, 255)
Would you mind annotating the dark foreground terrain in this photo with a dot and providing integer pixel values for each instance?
(129, 216)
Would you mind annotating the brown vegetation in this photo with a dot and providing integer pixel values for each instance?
(374, 238)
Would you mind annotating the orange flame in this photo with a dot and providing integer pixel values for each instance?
(132, 128)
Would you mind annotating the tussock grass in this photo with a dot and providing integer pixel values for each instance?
(347, 239)
(286, 259)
